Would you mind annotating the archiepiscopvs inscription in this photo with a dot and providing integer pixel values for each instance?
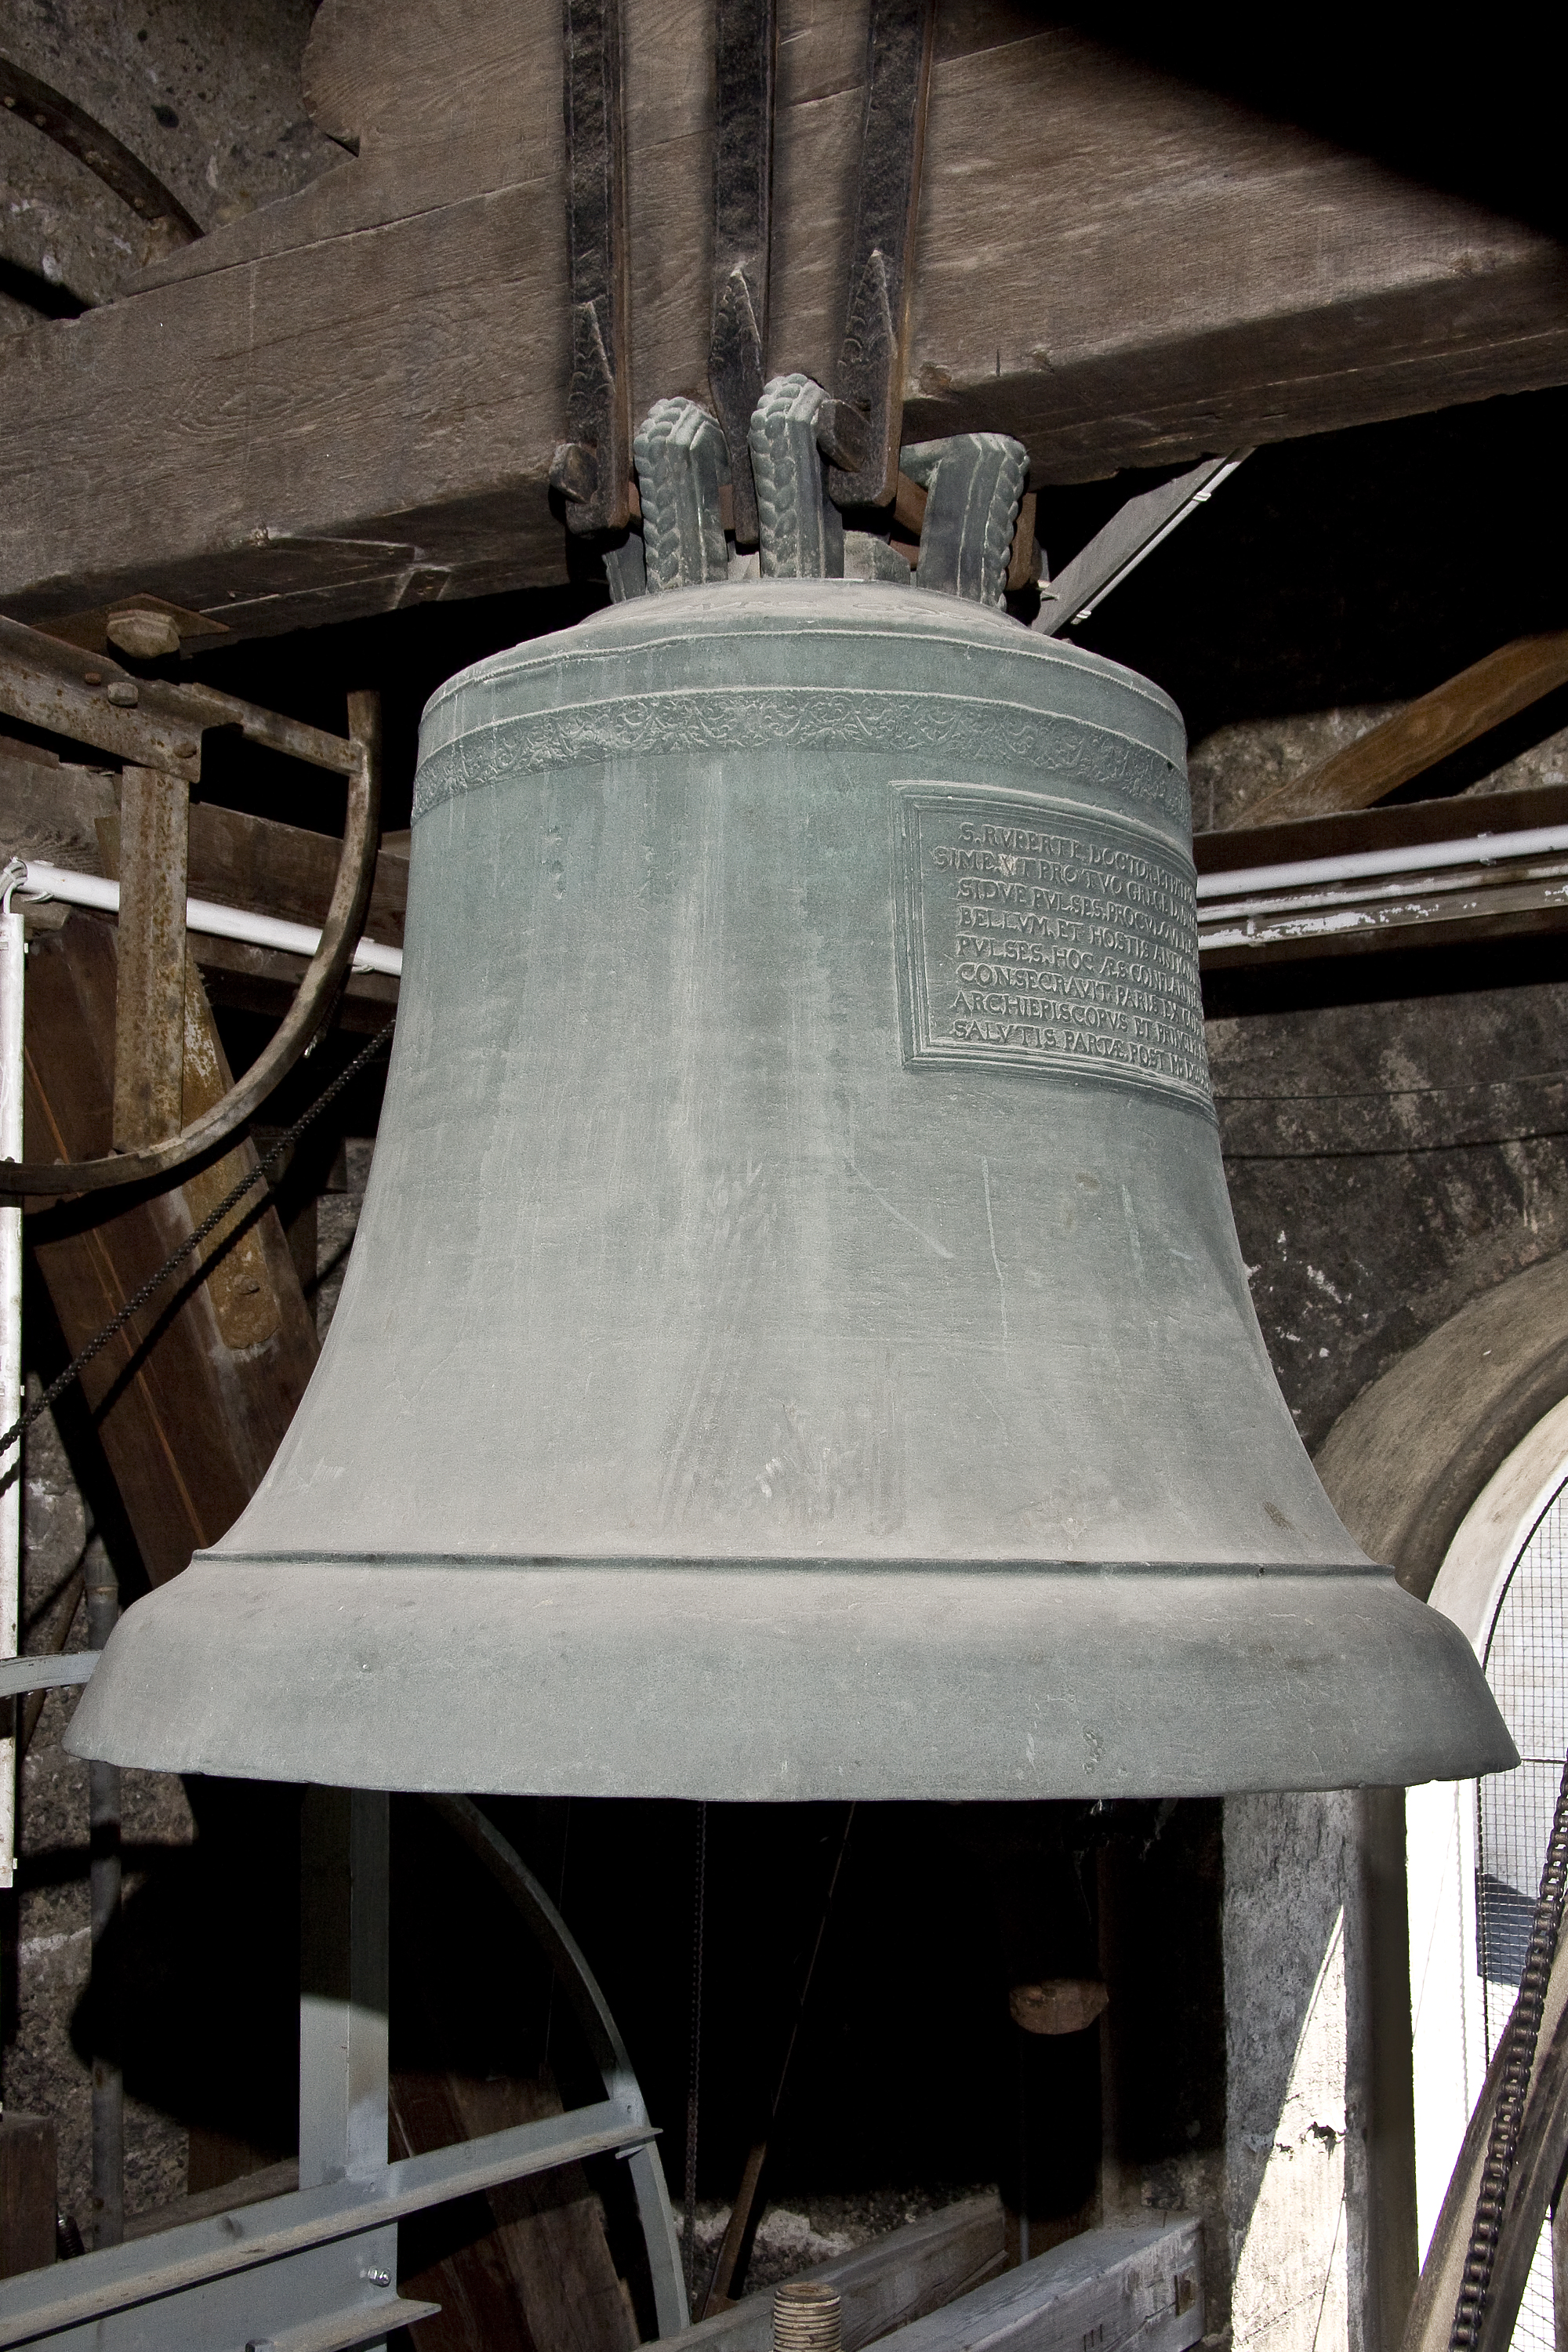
(1036, 935)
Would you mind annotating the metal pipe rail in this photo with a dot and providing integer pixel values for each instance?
(204, 915)
(1395, 894)
(1362, 864)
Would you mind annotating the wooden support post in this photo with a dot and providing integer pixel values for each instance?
(27, 2192)
(150, 1012)
(13, 983)
(188, 1422)
(104, 1868)
(244, 1298)
(1386, 2093)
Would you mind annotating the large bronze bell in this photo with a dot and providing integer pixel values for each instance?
(796, 1343)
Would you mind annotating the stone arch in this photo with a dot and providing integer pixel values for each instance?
(1405, 1462)
(1402, 1465)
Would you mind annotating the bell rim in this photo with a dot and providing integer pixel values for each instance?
(436, 1679)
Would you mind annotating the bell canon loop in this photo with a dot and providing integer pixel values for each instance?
(796, 1343)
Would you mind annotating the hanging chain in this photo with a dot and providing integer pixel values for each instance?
(1523, 2031)
(194, 1241)
(694, 2078)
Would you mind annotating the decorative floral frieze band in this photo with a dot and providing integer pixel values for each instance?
(974, 732)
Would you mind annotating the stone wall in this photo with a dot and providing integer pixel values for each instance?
(208, 98)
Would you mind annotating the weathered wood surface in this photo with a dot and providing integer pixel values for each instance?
(150, 988)
(264, 981)
(1444, 909)
(281, 869)
(1111, 2289)
(278, 2179)
(349, 399)
(1427, 730)
(1345, 833)
(68, 816)
(28, 2190)
(1439, 907)
(524, 2267)
(188, 1419)
(883, 2285)
(196, 1076)
(49, 808)
(268, 868)
(232, 857)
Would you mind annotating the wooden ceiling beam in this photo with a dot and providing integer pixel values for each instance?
(1457, 712)
(349, 400)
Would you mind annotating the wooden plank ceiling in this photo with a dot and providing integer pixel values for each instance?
(348, 400)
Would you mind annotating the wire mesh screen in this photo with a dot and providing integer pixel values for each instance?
(1527, 1666)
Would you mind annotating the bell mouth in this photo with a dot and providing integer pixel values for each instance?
(796, 1680)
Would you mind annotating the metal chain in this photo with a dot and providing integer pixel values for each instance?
(132, 1307)
(1524, 2033)
(694, 2078)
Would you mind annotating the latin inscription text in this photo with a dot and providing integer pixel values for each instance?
(1062, 946)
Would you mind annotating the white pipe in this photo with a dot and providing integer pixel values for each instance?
(216, 923)
(1299, 919)
(12, 975)
(1313, 902)
(1481, 849)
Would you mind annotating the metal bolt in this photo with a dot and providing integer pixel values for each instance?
(145, 634)
(123, 694)
(807, 2317)
(378, 2278)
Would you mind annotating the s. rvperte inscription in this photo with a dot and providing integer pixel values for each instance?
(1035, 936)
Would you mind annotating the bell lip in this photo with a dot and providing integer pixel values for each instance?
(329, 1563)
(678, 1685)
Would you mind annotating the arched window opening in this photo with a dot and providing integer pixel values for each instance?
(1525, 1660)
(1475, 1850)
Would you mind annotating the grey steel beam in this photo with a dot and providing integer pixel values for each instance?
(1134, 531)
(344, 2005)
(137, 2282)
(343, 1977)
(20, 1675)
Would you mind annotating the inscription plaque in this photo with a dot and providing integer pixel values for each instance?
(1035, 935)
